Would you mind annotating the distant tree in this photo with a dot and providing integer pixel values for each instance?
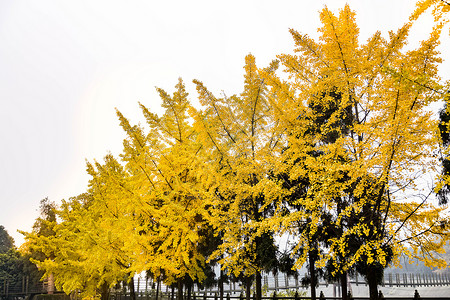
(43, 227)
(6, 241)
(13, 265)
(10, 265)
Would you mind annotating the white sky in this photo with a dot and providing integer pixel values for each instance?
(65, 66)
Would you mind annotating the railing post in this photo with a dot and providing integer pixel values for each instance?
(228, 296)
(26, 284)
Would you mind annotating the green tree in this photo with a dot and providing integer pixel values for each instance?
(14, 267)
(6, 241)
(42, 227)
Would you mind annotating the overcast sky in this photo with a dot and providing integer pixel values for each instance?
(66, 65)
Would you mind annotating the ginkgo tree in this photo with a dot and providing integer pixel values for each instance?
(389, 146)
(168, 179)
(141, 213)
(87, 247)
(237, 130)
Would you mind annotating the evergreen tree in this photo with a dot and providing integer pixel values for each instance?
(6, 241)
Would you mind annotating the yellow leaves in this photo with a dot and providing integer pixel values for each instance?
(340, 42)
(440, 10)
(358, 131)
(321, 155)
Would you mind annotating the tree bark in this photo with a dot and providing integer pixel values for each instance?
(104, 291)
(372, 282)
(131, 286)
(344, 286)
(51, 284)
(157, 288)
(189, 288)
(221, 284)
(180, 289)
(312, 273)
(258, 285)
(248, 287)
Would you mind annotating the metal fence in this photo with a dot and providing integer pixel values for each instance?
(21, 287)
(280, 282)
(170, 296)
(145, 288)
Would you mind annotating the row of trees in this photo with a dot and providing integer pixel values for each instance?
(335, 152)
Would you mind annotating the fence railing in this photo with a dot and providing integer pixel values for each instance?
(22, 286)
(194, 296)
(279, 282)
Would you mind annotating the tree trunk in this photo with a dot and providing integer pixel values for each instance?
(344, 286)
(312, 273)
(248, 287)
(372, 282)
(180, 289)
(157, 288)
(258, 285)
(221, 284)
(131, 286)
(189, 288)
(104, 291)
(51, 284)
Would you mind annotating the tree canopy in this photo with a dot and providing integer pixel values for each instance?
(6, 241)
(336, 151)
